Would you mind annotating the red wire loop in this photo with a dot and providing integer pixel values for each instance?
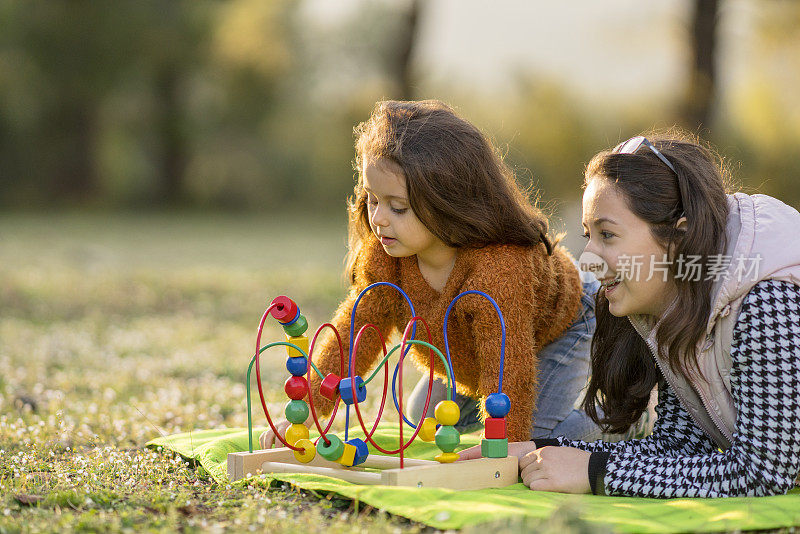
(258, 380)
(311, 397)
(368, 436)
(385, 378)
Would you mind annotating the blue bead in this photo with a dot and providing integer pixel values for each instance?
(361, 450)
(297, 365)
(498, 405)
(346, 391)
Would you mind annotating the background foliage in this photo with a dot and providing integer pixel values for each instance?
(247, 104)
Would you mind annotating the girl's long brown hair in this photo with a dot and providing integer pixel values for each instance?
(623, 370)
(457, 184)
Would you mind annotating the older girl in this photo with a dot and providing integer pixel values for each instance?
(702, 298)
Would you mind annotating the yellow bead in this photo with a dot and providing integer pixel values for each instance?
(300, 341)
(308, 452)
(348, 456)
(295, 432)
(447, 457)
(428, 430)
(447, 413)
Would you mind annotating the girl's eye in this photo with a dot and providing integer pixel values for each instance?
(399, 211)
(603, 234)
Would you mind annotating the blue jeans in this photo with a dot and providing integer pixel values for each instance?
(563, 372)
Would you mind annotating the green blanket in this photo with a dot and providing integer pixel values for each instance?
(449, 509)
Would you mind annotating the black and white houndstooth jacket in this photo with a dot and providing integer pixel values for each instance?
(680, 460)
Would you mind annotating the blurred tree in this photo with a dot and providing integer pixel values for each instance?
(237, 95)
(78, 54)
(72, 52)
(339, 69)
(400, 65)
(701, 91)
(118, 101)
(171, 47)
(551, 136)
(764, 117)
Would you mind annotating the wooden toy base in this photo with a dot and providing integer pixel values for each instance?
(464, 475)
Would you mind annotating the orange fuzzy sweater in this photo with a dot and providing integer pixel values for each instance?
(538, 294)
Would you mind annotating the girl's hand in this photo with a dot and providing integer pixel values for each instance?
(563, 469)
(268, 439)
(515, 448)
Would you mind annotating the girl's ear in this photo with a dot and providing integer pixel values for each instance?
(681, 225)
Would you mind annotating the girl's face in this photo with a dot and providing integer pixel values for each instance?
(390, 215)
(637, 281)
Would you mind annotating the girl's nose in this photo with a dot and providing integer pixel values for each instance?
(591, 261)
(379, 216)
(590, 247)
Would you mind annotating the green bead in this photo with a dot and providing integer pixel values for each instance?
(332, 451)
(447, 438)
(297, 328)
(296, 411)
(494, 448)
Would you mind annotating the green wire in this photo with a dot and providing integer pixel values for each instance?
(378, 367)
(247, 383)
(450, 378)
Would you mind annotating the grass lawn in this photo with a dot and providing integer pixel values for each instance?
(115, 329)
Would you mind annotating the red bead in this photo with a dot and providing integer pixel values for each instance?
(286, 309)
(296, 387)
(330, 386)
(494, 428)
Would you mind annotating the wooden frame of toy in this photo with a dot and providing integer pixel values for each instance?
(349, 459)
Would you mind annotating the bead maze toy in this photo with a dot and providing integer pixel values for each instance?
(349, 459)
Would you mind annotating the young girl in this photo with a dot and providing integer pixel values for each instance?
(719, 333)
(436, 212)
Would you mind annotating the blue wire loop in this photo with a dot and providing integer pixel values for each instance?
(446, 343)
(502, 329)
(450, 377)
(352, 331)
(449, 362)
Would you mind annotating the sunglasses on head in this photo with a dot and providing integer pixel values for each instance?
(635, 143)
